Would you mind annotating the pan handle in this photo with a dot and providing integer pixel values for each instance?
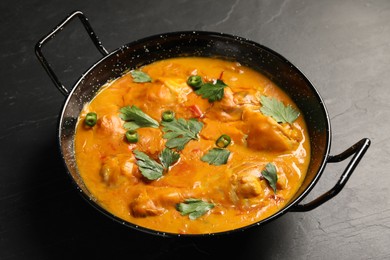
(52, 34)
(357, 150)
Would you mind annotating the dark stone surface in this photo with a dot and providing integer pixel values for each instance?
(343, 47)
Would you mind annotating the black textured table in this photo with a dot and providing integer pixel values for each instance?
(343, 47)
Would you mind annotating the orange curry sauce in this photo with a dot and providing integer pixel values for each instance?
(237, 189)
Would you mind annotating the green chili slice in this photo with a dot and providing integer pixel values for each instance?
(132, 136)
(223, 141)
(195, 81)
(90, 119)
(168, 116)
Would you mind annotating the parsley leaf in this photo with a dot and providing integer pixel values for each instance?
(136, 118)
(194, 208)
(168, 157)
(212, 91)
(216, 156)
(277, 110)
(179, 132)
(269, 173)
(149, 168)
(140, 76)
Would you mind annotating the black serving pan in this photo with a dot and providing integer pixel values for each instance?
(204, 44)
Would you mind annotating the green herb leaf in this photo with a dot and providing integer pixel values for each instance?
(149, 168)
(194, 208)
(216, 156)
(140, 76)
(168, 157)
(269, 173)
(212, 91)
(136, 118)
(179, 132)
(277, 110)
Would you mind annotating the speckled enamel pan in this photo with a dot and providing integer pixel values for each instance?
(204, 44)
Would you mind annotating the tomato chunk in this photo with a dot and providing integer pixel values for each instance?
(195, 110)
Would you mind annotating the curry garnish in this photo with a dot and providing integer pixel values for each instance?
(131, 136)
(277, 110)
(216, 156)
(140, 76)
(269, 173)
(90, 119)
(213, 91)
(168, 157)
(136, 118)
(179, 132)
(223, 141)
(149, 168)
(195, 81)
(168, 116)
(194, 208)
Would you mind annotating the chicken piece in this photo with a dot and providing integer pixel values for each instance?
(179, 88)
(168, 196)
(151, 141)
(247, 186)
(116, 169)
(226, 109)
(143, 206)
(129, 169)
(109, 125)
(227, 103)
(158, 94)
(245, 97)
(264, 133)
(282, 181)
(110, 171)
(163, 94)
(153, 201)
(213, 129)
(246, 183)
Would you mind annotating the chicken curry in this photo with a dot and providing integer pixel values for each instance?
(191, 146)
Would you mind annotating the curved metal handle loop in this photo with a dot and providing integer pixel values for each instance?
(52, 34)
(358, 149)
